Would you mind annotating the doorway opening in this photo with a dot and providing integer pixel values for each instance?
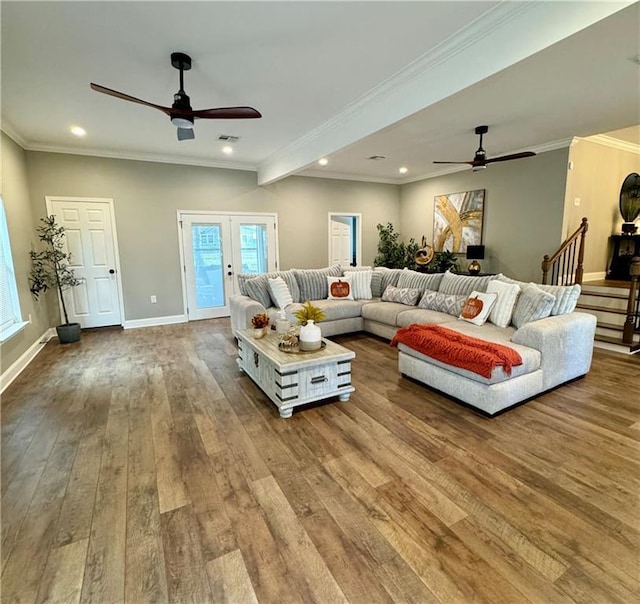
(345, 239)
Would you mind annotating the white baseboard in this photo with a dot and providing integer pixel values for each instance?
(594, 276)
(154, 321)
(18, 366)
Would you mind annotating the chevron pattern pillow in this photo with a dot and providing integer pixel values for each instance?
(452, 305)
(404, 295)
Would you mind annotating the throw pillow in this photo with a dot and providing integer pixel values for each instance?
(533, 304)
(566, 297)
(502, 311)
(382, 278)
(258, 289)
(462, 285)
(313, 282)
(403, 296)
(477, 307)
(280, 293)
(421, 281)
(361, 282)
(452, 305)
(288, 277)
(339, 288)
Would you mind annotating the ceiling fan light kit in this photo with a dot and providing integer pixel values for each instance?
(480, 161)
(180, 113)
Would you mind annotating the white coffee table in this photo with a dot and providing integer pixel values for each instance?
(294, 379)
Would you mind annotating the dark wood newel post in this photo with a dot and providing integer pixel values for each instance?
(630, 323)
(584, 226)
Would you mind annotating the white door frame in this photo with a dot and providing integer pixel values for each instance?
(213, 213)
(358, 219)
(50, 199)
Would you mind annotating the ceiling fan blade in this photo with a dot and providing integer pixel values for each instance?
(454, 162)
(186, 134)
(127, 97)
(227, 113)
(510, 157)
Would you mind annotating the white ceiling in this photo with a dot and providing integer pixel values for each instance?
(408, 80)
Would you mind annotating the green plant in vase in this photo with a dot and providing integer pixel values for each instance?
(309, 312)
(50, 269)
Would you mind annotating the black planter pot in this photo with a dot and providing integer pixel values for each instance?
(68, 333)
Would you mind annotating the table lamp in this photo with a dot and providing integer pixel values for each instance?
(475, 253)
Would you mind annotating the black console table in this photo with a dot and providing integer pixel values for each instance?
(625, 247)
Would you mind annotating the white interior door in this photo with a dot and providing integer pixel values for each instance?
(341, 241)
(91, 241)
(215, 248)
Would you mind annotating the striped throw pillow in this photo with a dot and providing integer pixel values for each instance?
(462, 285)
(502, 311)
(258, 289)
(421, 281)
(361, 282)
(533, 304)
(382, 278)
(313, 282)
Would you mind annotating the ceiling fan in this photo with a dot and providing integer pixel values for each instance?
(180, 112)
(480, 161)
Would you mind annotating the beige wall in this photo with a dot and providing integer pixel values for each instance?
(147, 196)
(22, 224)
(597, 175)
(523, 216)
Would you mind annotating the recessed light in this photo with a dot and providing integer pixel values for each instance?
(323, 161)
(227, 149)
(403, 170)
(78, 131)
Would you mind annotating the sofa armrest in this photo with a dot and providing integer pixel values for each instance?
(565, 343)
(242, 309)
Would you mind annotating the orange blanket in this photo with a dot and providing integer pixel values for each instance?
(457, 349)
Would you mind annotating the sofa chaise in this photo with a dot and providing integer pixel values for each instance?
(554, 343)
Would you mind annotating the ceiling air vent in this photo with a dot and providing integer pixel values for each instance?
(377, 157)
(228, 138)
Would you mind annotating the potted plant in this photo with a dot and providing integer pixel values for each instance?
(310, 337)
(393, 253)
(443, 261)
(260, 323)
(50, 269)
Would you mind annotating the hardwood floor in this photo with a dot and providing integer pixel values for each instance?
(142, 466)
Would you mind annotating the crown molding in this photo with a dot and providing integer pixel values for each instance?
(162, 159)
(615, 143)
(12, 133)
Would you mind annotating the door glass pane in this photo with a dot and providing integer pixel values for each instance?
(253, 248)
(207, 264)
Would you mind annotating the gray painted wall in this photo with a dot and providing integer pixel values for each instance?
(523, 212)
(22, 224)
(597, 175)
(147, 196)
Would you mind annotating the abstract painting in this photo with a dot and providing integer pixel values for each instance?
(457, 221)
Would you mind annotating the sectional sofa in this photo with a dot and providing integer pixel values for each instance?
(537, 321)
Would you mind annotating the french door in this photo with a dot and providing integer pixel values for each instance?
(215, 248)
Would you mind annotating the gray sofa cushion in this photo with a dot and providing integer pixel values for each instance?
(566, 295)
(383, 312)
(258, 289)
(288, 277)
(490, 333)
(423, 315)
(421, 281)
(463, 285)
(332, 309)
(313, 282)
(381, 279)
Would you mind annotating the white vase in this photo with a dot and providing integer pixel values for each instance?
(259, 332)
(310, 337)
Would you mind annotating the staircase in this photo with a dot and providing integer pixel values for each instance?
(607, 300)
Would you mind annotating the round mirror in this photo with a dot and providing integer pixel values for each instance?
(630, 202)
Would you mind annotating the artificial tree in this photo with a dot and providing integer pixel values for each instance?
(50, 270)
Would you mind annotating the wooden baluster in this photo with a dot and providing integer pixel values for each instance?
(630, 323)
(580, 269)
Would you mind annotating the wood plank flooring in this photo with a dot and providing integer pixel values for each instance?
(142, 466)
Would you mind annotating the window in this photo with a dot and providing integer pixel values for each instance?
(10, 318)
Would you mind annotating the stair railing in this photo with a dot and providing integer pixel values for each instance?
(565, 267)
(632, 323)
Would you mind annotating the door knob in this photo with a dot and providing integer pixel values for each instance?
(111, 271)
(228, 266)
(229, 273)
